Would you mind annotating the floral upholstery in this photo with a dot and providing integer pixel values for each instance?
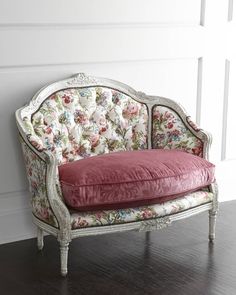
(169, 132)
(76, 123)
(112, 217)
(80, 122)
(36, 173)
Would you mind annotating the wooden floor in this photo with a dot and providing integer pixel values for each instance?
(177, 260)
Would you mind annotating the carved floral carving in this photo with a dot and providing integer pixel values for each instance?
(81, 79)
(155, 224)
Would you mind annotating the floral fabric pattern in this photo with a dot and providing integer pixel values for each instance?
(169, 132)
(80, 122)
(36, 173)
(119, 216)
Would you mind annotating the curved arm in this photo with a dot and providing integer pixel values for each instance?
(204, 135)
(36, 168)
(55, 198)
(47, 202)
(173, 128)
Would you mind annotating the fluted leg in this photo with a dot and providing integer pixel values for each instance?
(40, 238)
(212, 225)
(64, 247)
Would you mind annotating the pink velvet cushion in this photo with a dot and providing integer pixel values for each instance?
(122, 179)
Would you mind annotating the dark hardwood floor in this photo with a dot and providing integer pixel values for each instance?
(177, 260)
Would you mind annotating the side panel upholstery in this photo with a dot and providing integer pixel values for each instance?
(170, 132)
(36, 173)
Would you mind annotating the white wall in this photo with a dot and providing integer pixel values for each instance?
(160, 47)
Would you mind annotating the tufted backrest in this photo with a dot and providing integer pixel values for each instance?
(75, 123)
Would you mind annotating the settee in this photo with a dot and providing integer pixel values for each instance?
(103, 158)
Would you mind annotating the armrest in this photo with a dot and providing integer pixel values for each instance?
(42, 173)
(172, 128)
(36, 168)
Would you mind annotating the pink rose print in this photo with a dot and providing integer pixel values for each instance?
(131, 111)
(94, 139)
(197, 151)
(53, 97)
(44, 213)
(170, 125)
(66, 98)
(80, 117)
(156, 115)
(103, 129)
(48, 130)
(147, 214)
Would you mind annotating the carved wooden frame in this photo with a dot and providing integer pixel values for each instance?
(64, 233)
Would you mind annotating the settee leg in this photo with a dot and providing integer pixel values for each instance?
(212, 225)
(39, 238)
(64, 247)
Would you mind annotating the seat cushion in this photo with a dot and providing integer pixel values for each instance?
(132, 178)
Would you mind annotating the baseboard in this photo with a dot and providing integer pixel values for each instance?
(16, 226)
(15, 217)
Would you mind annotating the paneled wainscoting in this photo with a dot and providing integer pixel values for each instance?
(177, 260)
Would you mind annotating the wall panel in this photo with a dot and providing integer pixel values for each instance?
(62, 46)
(106, 11)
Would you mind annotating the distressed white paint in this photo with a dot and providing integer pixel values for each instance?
(43, 41)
